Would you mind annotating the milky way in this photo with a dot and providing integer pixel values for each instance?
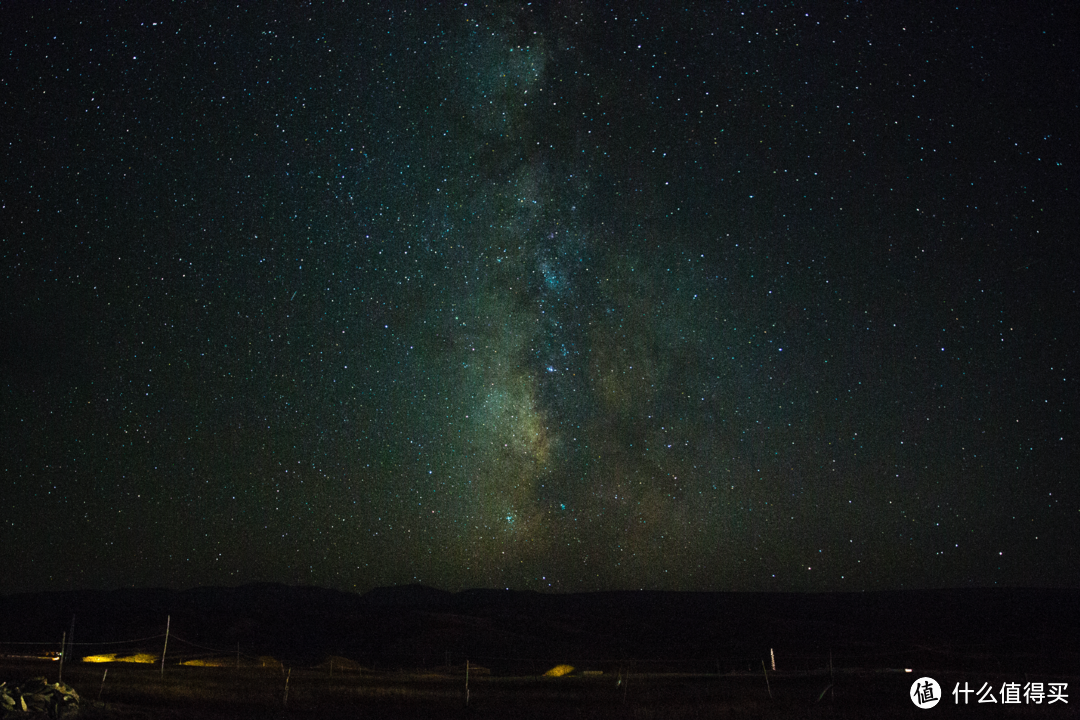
(724, 297)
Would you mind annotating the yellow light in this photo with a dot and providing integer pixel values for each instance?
(559, 671)
(111, 657)
(219, 662)
(142, 658)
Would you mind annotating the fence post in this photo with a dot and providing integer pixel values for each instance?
(832, 677)
(70, 650)
(63, 642)
(168, 621)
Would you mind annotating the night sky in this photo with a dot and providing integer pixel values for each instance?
(560, 296)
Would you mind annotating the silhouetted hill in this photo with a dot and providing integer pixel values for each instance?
(415, 596)
(414, 626)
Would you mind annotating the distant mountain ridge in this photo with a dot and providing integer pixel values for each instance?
(407, 596)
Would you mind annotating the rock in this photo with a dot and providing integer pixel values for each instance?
(36, 695)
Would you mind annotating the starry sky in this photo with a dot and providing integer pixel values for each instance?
(558, 296)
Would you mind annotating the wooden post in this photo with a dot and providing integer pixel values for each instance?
(766, 678)
(832, 677)
(102, 688)
(285, 700)
(168, 621)
(63, 643)
(69, 649)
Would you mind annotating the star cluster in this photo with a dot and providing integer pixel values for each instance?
(585, 296)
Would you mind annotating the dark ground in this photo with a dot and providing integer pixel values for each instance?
(665, 655)
(137, 693)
